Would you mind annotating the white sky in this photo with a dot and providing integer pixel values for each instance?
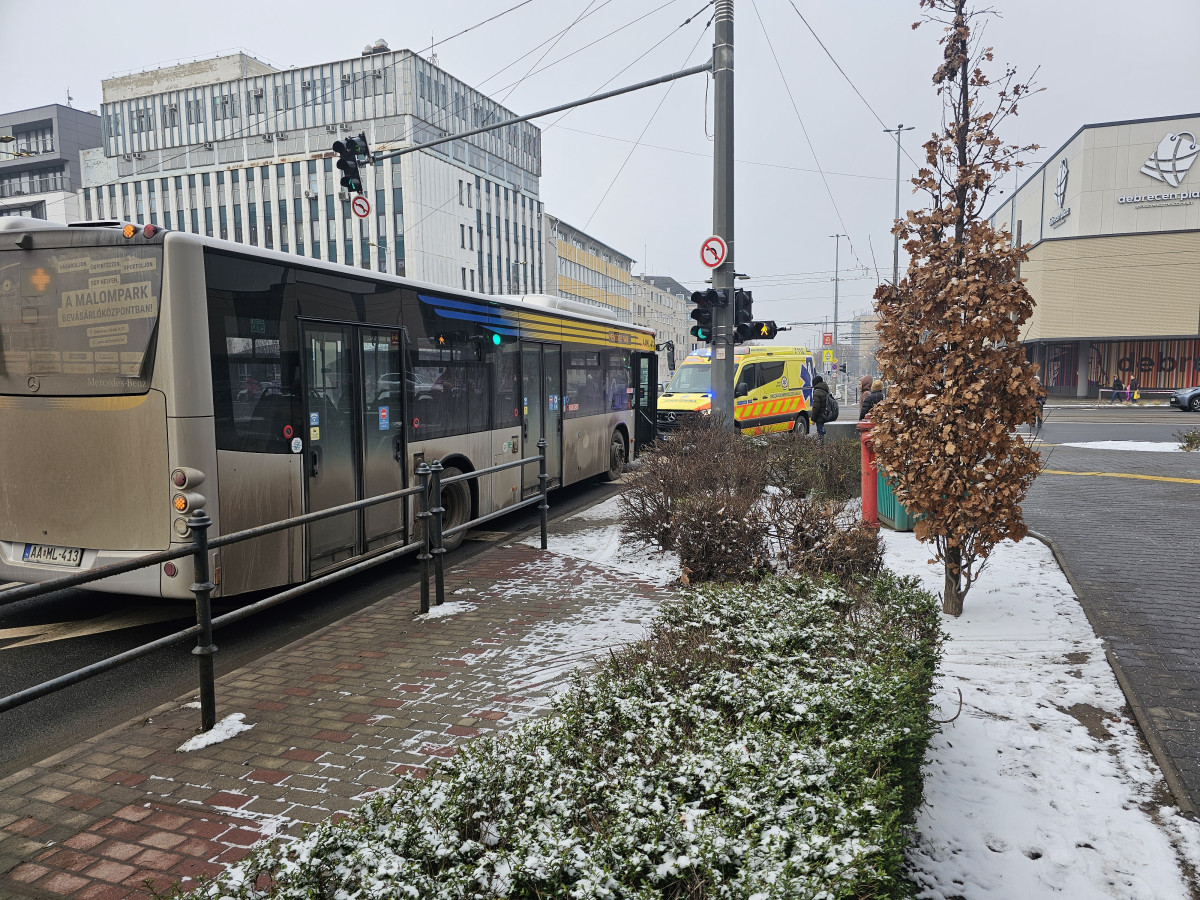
(1099, 61)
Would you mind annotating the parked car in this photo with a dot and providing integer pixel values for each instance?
(1187, 399)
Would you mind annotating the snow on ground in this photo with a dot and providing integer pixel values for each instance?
(1137, 446)
(1041, 785)
(602, 545)
(225, 729)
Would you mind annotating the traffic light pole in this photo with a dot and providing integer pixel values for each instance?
(723, 275)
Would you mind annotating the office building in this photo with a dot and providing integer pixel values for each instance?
(580, 267)
(39, 161)
(662, 303)
(238, 149)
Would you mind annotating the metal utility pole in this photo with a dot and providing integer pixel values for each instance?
(896, 241)
(837, 246)
(723, 275)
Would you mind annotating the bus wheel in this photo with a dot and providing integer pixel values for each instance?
(616, 458)
(456, 501)
(801, 424)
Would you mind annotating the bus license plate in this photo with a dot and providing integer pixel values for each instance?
(46, 555)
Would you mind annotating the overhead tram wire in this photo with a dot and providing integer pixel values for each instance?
(562, 34)
(605, 37)
(629, 66)
(708, 156)
(649, 122)
(804, 129)
(838, 66)
(476, 25)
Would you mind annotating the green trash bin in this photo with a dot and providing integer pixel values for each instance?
(891, 511)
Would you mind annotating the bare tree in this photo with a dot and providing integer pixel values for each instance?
(949, 331)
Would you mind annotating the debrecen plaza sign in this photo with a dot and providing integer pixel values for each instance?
(1169, 164)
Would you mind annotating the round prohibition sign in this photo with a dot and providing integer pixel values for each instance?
(361, 206)
(713, 252)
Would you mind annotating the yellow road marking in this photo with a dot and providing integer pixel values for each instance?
(1123, 475)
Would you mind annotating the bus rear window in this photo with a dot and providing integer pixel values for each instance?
(78, 321)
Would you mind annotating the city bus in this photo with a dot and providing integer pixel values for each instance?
(146, 373)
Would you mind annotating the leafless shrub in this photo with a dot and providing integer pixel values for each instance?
(819, 537)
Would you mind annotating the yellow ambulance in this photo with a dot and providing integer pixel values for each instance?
(772, 390)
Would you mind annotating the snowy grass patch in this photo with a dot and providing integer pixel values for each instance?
(765, 741)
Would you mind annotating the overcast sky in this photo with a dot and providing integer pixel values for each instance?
(1098, 61)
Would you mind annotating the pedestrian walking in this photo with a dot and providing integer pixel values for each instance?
(1040, 396)
(820, 397)
(1134, 395)
(1117, 390)
(872, 398)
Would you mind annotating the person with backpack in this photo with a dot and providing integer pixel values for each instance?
(820, 405)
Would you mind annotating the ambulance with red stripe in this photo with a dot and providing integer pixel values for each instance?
(772, 390)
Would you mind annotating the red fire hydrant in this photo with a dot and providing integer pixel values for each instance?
(870, 493)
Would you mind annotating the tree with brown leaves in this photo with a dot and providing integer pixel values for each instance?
(949, 331)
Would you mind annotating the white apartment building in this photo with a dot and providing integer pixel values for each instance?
(662, 303)
(234, 148)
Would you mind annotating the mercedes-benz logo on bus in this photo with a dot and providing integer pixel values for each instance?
(670, 417)
(34, 383)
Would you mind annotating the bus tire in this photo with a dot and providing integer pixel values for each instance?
(617, 454)
(802, 425)
(456, 501)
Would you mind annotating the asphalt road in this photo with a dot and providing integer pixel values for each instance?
(1126, 526)
(46, 637)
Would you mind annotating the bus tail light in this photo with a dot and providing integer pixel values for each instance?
(184, 478)
(181, 528)
(129, 231)
(187, 502)
(150, 231)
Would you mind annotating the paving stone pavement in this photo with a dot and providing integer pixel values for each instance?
(336, 716)
(1130, 547)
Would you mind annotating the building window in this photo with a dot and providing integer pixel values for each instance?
(462, 234)
(464, 278)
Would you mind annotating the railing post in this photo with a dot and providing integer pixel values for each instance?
(424, 556)
(544, 479)
(439, 549)
(205, 648)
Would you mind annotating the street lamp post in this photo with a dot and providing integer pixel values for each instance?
(837, 246)
(896, 242)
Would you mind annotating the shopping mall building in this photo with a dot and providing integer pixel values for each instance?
(1113, 223)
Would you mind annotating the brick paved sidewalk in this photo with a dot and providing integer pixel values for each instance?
(335, 716)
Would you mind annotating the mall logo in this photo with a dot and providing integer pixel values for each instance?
(1171, 161)
(1060, 195)
(1169, 164)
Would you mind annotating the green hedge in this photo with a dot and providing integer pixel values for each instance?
(765, 741)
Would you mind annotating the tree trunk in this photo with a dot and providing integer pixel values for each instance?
(952, 593)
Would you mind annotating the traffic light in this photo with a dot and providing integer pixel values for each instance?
(743, 316)
(764, 331)
(706, 302)
(352, 153)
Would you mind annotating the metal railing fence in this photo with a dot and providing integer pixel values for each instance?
(431, 547)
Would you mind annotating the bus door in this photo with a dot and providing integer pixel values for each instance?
(541, 412)
(382, 429)
(645, 400)
(355, 439)
(331, 446)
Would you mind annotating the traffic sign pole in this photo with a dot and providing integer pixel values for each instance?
(723, 274)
